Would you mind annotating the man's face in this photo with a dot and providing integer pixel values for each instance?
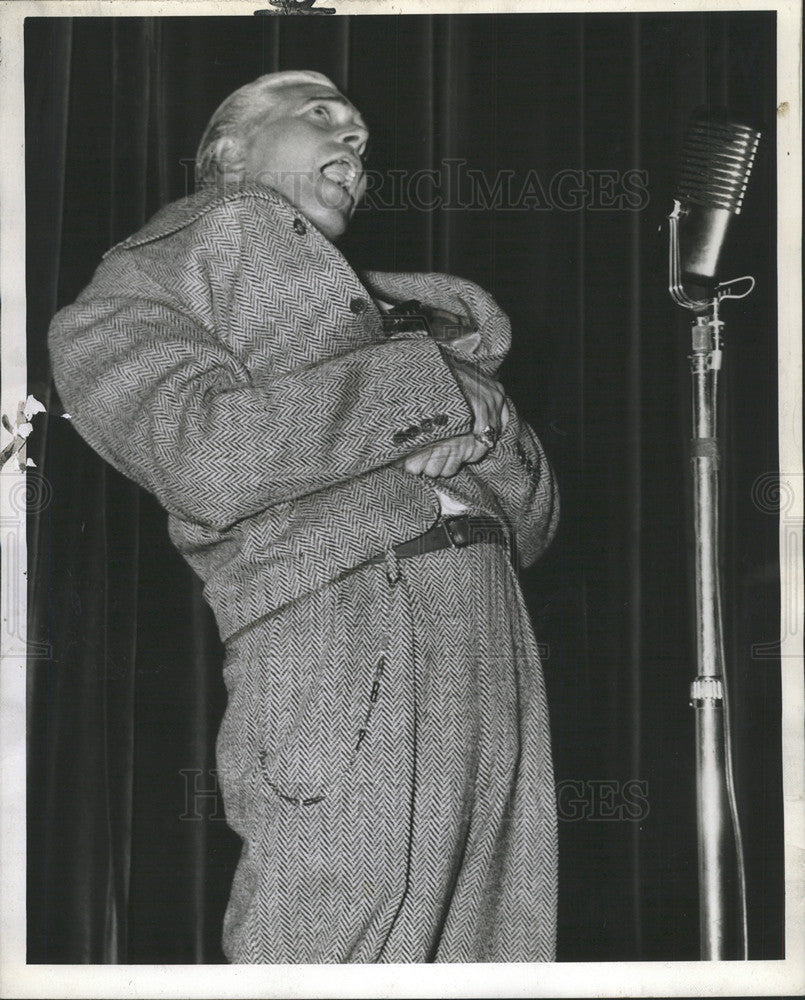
(308, 146)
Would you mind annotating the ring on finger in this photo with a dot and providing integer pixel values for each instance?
(488, 436)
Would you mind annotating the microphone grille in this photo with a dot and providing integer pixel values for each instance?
(717, 158)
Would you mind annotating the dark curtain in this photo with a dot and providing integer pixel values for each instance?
(129, 856)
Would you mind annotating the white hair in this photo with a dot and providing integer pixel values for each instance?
(233, 117)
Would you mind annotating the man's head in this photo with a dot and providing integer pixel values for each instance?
(293, 132)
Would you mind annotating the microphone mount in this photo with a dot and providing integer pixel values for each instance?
(725, 290)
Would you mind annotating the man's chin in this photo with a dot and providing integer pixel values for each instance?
(331, 221)
(330, 217)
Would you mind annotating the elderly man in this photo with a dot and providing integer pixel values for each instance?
(344, 473)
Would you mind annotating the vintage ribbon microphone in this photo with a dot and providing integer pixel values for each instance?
(717, 158)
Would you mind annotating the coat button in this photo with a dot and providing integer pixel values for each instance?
(400, 437)
(440, 419)
(358, 305)
(413, 431)
(427, 425)
(299, 227)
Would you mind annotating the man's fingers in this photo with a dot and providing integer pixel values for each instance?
(466, 451)
(484, 417)
(435, 466)
(478, 452)
(452, 466)
(485, 395)
(432, 457)
(445, 458)
(416, 462)
(446, 454)
(483, 405)
(453, 461)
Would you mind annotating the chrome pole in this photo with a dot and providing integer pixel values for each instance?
(706, 692)
(722, 881)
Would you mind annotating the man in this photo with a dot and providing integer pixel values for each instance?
(351, 484)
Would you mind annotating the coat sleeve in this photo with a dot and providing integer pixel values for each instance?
(156, 392)
(519, 474)
(478, 311)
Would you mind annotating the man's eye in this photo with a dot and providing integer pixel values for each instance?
(320, 111)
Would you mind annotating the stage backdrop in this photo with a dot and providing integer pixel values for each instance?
(129, 856)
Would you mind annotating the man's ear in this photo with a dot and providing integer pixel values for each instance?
(229, 157)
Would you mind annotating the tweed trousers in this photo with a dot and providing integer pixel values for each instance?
(385, 756)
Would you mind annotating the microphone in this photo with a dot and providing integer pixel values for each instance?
(714, 168)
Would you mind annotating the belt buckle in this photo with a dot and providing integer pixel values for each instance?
(458, 530)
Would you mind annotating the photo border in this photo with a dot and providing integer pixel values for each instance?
(754, 978)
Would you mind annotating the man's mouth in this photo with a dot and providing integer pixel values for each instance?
(343, 172)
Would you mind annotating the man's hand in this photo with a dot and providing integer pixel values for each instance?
(486, 396)
(447, 326)
(444, 458)
(488, 401)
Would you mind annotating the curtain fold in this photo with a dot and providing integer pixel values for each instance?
(129, 857)
(47, 99)
(634, 542)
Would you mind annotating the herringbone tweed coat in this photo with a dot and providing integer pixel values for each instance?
(385, 752)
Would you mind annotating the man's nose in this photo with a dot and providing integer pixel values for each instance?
(353, 135)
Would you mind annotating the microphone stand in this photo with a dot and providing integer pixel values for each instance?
(715, 793)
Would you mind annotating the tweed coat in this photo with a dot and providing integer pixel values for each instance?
(228, 359)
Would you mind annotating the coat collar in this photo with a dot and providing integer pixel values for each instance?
(178, 214)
